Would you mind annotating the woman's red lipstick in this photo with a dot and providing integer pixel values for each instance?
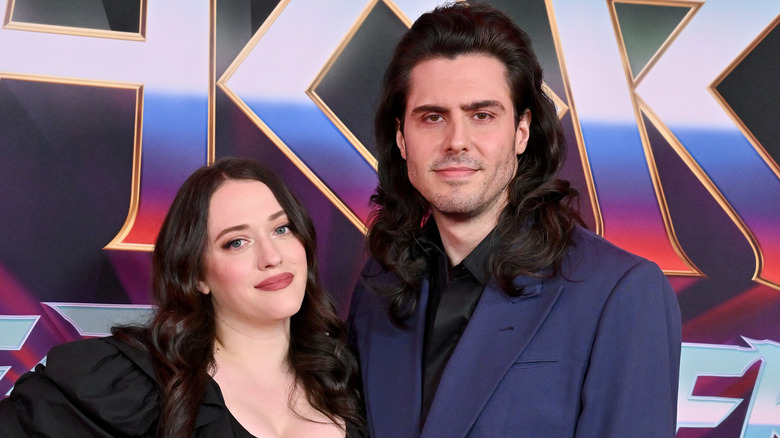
(276, 282)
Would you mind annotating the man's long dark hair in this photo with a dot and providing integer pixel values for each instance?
(181, 335)
(535, 227)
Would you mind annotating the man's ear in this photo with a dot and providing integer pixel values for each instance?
(523, 132)
(400, 141)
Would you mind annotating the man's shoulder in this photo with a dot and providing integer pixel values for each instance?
(589, 252)
(586, 241)
(374, 273)
(375, 289)
(604, 270)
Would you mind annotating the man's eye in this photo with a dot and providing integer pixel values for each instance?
(434, 117)
(482, 116)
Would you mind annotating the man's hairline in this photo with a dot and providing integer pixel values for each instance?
(399, 121)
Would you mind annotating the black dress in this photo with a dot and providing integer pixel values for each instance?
(101, 388)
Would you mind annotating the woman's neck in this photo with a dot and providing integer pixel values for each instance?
(260, 387)
(264, 348)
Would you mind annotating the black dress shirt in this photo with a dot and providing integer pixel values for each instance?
(453, 294)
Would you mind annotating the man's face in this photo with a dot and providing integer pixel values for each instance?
(459, 138)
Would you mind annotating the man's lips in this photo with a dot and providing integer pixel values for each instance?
(276, 282)
(455, 171)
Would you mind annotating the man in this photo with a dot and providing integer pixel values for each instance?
(486, 310)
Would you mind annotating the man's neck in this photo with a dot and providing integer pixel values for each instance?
(459, 237)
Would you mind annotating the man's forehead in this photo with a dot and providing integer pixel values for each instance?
(463, 81)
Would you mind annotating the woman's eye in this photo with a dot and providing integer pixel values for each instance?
(282, 230)
(234, 244)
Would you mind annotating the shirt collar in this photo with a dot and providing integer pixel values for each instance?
(478, 260)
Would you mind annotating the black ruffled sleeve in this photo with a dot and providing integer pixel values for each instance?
(94, 387)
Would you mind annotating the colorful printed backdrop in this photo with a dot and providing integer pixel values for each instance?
(670, 109)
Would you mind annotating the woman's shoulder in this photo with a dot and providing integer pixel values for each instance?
(98, 387)
(99, 362)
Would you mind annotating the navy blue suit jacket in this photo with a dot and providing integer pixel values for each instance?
(593, 352)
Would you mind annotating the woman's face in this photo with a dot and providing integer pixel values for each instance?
(254, 266)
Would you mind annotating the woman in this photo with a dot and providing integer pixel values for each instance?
(244, 340)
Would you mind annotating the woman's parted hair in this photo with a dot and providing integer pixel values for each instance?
(182, 333)
(535, 227)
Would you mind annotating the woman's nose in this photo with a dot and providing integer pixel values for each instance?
(268, 256)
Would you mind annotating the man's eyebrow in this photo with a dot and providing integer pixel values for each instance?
(429, 108)
(473, 106)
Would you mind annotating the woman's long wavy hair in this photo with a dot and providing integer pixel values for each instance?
(181, 335)
(535, 227)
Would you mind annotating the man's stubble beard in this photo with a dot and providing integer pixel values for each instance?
(466, 207)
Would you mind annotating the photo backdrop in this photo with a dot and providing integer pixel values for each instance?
(670, 110)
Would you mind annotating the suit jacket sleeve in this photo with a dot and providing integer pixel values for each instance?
(630, 388)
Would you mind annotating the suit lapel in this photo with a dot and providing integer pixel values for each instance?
(498, 331)
(393, 368)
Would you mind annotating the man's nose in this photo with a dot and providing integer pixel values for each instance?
(457, 136)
